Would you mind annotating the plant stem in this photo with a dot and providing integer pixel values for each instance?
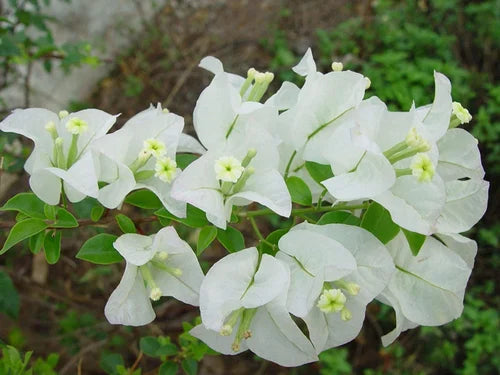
(289, 164)
(340, 207)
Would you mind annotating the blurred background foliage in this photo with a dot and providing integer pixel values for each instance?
(397, 44)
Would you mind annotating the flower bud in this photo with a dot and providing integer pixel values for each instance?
(63, 114)
(155, 294)
(337, 66)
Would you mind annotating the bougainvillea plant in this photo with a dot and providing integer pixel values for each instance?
(373, 203)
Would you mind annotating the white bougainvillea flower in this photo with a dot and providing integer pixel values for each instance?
(466, 192)
(321, 104)
(252, 159)
(157, 265)
(142, 155)
(61, 151)
(460, 115)
(428, 289)
(336, 270)
(242, 305)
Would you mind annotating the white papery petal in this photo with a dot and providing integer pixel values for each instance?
(99, 122)
(120, 180)
(46, 186)
(306, 65)
(459, 156)
(135, 248)
(268, 189)
(31, 123)
(129, 303)
(414, 205)
(430, 286)
(285, 97)
(223, 289)
(463, 246)
(466, 203)
(373, 176)
(215, 111)
(212, 64)
(374, 265)
(219, 343)
(72, 194)
(198, 185)
(320, 102)
(304, 288)
(329, 330)
(394, 127)
(180, 255)
(163, 191)
(437, 119)
(276, 337)
(190, 144)
(402, 323)
(81, 176)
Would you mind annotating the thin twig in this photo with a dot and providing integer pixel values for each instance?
(87, 349)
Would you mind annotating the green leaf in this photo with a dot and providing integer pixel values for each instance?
(64, 219)
(97, 212)
(319, 172)
(157, 346)
(110, 361)
(377, 220)
(339, 217)
(99, 250)
(168, 368)
(52, 246)
(27, 203)
(50, 211)
(196, 218)
(415, 240)
(144, 199)
(273, 238)
(231, 239)
(125, 223)
(9, 298)
(299, 191)
(183, 160)
(22, 230)
(207, 235)
(36, 242)
(190, 366)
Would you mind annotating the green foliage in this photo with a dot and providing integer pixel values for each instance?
(319, 172)
(231, 238)
(9, 298)
(207, 235)
(125, 223)
(335, 361)
(299, 191)
(377, 220)
(195, 218)
(13, 363)
(52, 247)
(99, 250)
(415, 240)
(144, 199)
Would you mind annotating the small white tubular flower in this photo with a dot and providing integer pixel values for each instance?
(416, 141)
(461, 113)
(337, 66)
(166, 169)
(426, 289)
(368, 83)
(331, 300)
(154, 147)
(336, 270)
(62, 114)
(148, 276)
(76, 125)
(422, 167)
(228, 168)
(242, 305)
(155, 294)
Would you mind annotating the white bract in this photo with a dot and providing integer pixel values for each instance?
(336, 270)
(428, 289)
(157, 265)
(242, 305)
(142, 155)
(62, 150)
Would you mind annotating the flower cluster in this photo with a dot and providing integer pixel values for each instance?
(416, 167)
